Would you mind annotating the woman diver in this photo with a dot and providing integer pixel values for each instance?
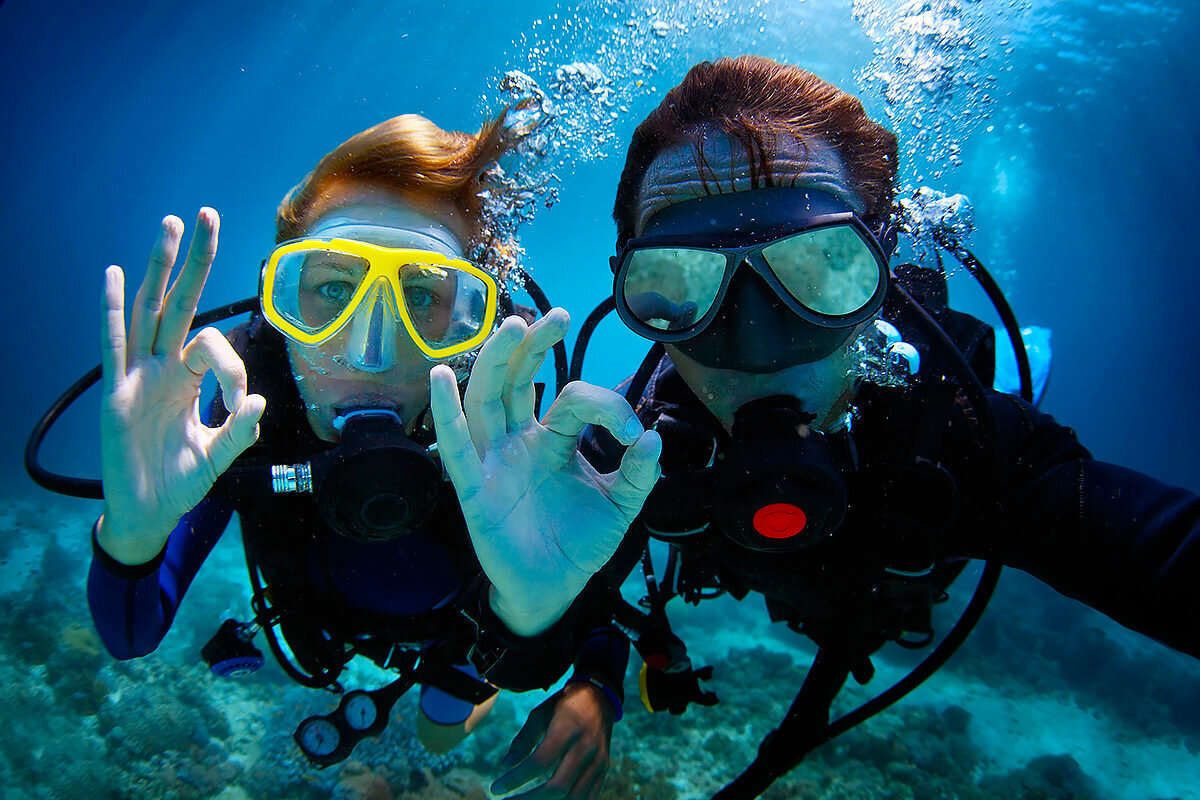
(384, 268)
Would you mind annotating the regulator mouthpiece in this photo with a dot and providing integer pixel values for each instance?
(377, 484)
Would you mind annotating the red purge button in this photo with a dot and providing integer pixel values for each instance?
(779, 520)
(657, 661)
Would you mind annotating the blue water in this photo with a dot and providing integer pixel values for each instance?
(1075, 123)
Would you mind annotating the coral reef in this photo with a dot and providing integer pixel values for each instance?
(1046, 778)
(79, 724)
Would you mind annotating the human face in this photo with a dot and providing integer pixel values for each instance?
(674, 178)
(369, 363)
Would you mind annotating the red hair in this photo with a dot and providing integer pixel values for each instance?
(408, 154)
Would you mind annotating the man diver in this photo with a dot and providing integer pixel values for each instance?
(755, 224)
(328, 412)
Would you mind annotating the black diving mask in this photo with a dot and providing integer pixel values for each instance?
(813, 272)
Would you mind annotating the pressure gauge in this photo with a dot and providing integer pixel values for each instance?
(359, 710)
(318, 737)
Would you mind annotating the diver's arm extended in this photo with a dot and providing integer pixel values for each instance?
(1118, 540)
(541, 519)
(133, 606)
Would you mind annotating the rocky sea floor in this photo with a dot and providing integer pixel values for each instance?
(1046, 700)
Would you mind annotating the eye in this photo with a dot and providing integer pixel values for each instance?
(419, 297)
(335, 291)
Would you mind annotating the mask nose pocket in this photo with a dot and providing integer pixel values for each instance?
(753, 305)
(374, 330)
(755, 331)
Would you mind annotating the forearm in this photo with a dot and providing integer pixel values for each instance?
(133, 606)
(1118, 540)
(127, 604)
(1124, 543)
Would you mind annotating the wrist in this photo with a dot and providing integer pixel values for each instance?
(523, 621)
(601, 687)
(132, 572)
(130, 547)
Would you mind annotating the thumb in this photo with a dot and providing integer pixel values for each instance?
(239, 431)
(529, 735)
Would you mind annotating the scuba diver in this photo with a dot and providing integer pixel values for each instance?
(330, 436)
(831, 437)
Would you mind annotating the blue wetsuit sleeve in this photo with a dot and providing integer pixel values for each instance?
(444, 708)
(1118, 540)
(602, 661)
(133, 606)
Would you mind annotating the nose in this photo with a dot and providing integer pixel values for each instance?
(375, 331)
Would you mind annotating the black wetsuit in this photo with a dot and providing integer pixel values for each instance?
(1117, 540)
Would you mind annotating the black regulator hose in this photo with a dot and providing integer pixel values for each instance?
(980, 273)
(585, 334)
(932, 662)
(969, 381)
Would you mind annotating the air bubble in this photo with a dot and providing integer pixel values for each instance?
(928, 67)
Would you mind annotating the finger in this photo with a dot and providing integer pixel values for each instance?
(530, 734)
(519, 393)
(484, 399)
(179, 306)
(112, 329)
(530, 769)
(571, 769)
(638, 473)
(454, 443)
(542, 792)
(575, 777)
(582, 404)
(210, 350)
(597, 782)
(239, 431)
(147, 305)
(523, 744)
(590, 778)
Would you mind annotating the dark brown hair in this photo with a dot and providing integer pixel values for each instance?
(755, 100)
(407, 154)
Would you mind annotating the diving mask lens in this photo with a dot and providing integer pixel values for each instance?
(828, 272)
(671, 288)
(831, 271)
(312, 288)
(447, 307)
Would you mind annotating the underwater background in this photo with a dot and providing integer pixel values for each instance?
(1072, 127)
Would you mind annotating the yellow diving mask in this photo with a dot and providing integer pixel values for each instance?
(311, 288)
